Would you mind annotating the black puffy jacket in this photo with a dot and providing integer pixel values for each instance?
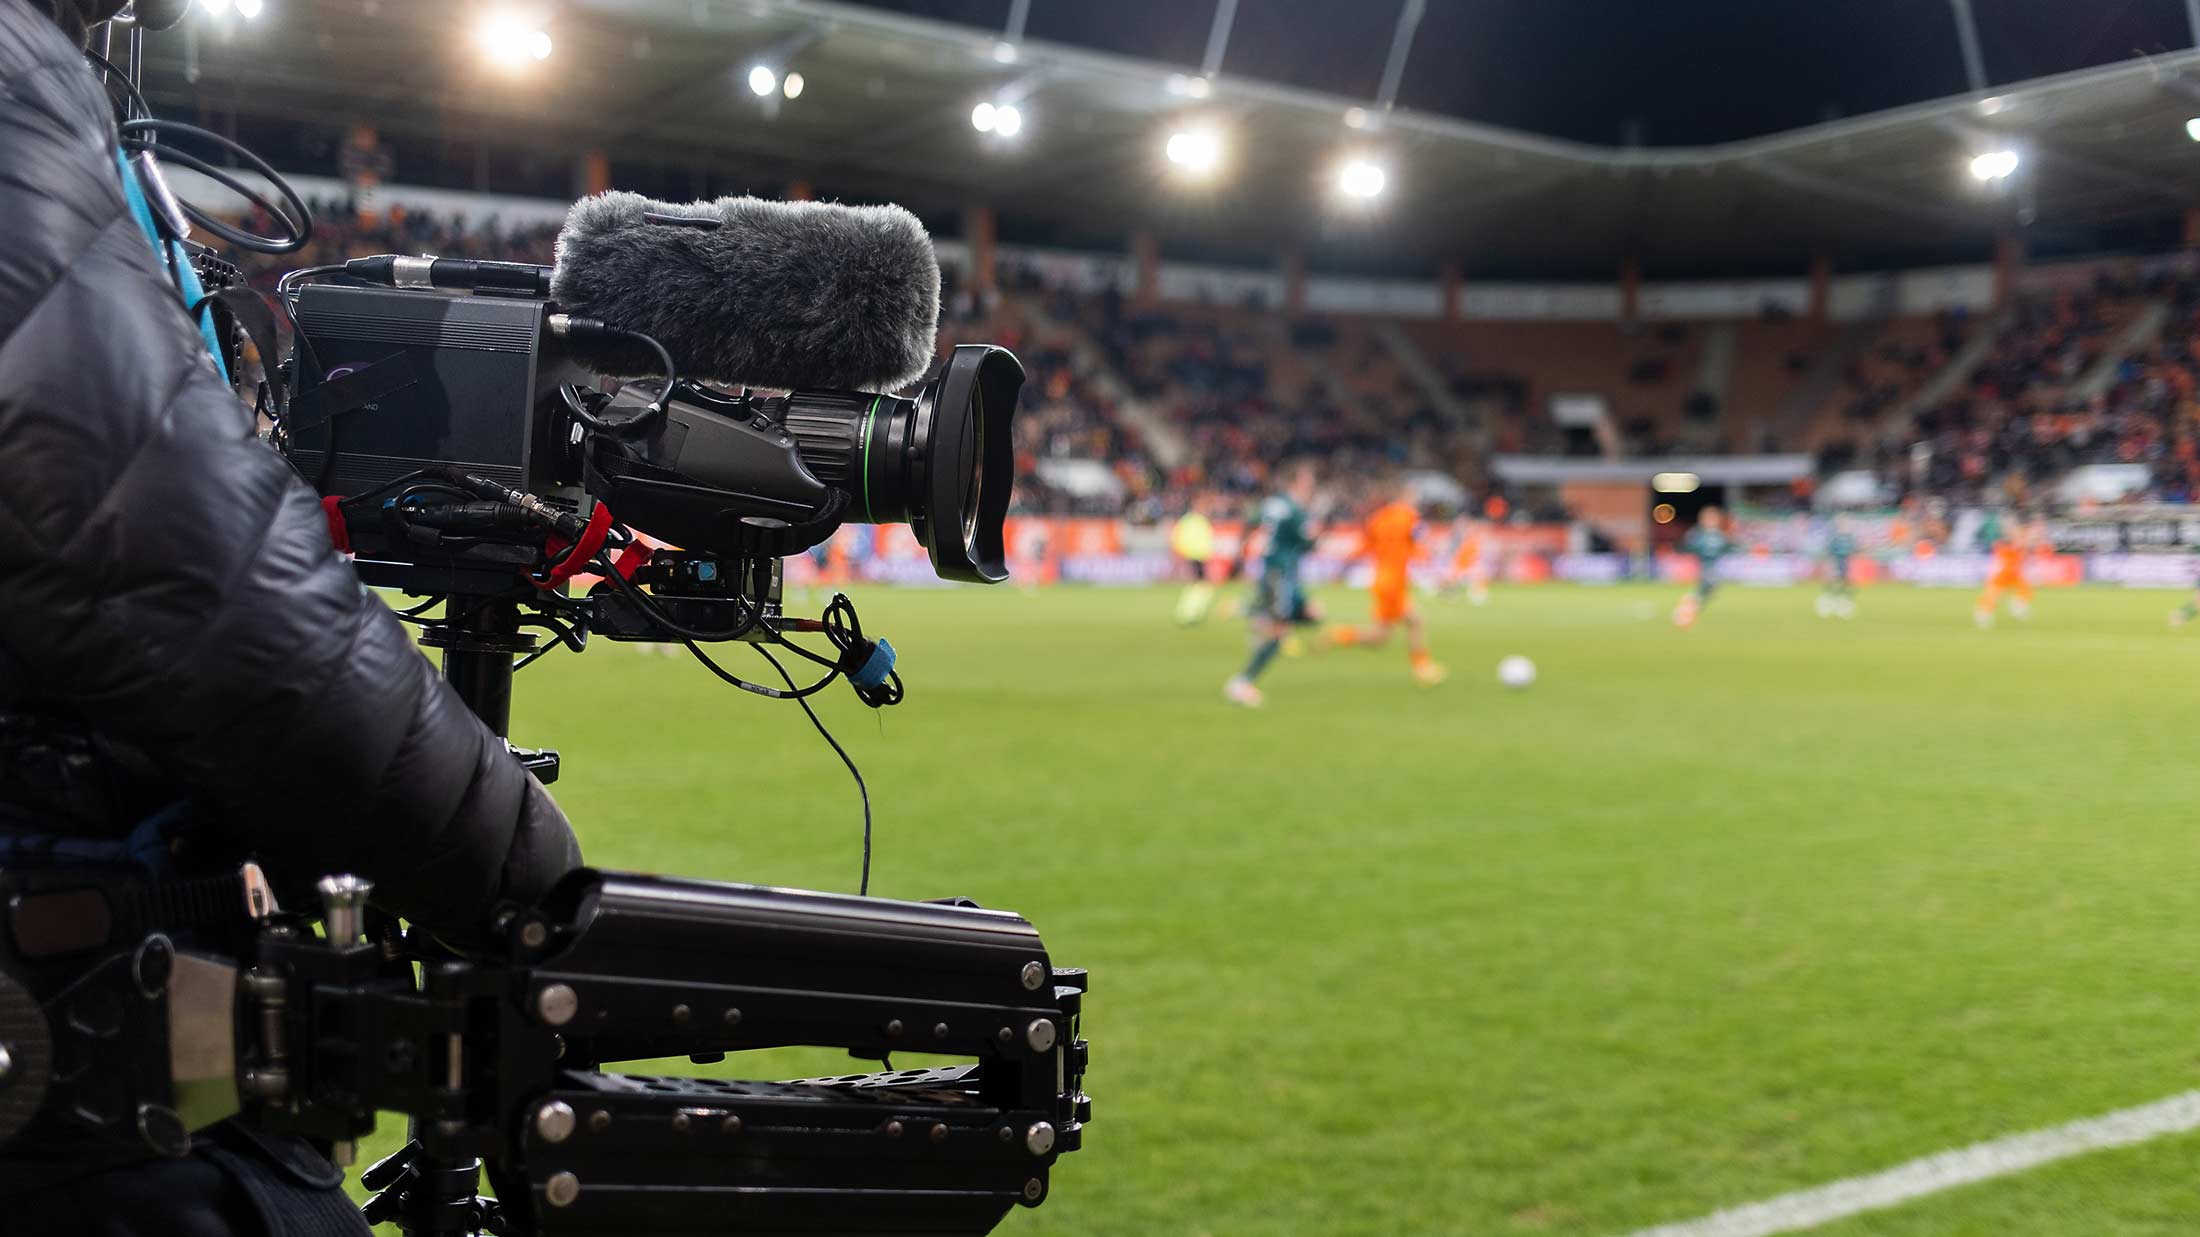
(167, 583)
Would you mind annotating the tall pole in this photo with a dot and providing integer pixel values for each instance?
(1974, 65)
(2192, 20)
(1218, 37)
(1401, 44)
(1020, 10)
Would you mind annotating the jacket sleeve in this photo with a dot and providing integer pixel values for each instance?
(170, 578)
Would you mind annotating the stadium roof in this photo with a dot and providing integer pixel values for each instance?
(2104, 153)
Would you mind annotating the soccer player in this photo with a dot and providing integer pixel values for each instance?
(1471, 563)
(1709, 541)
(1193, 539)
(1278, 599)
(1837, 592)
(1392, 540)
(2008, 577)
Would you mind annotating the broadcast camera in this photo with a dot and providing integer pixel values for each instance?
(469, 450)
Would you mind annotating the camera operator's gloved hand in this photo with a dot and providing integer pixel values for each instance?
(171, 581)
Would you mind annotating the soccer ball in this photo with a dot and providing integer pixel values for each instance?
(1516, 672)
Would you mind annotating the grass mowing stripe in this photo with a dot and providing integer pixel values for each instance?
(1984, 1161)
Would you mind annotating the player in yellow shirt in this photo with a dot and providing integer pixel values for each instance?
(1193, 540)
(1392, 539)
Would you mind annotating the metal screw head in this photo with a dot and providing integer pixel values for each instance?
(1008, 1133)
(561, 1189)
(1035, 974)
(893, 1129)
(893, 1029)
(939, 1031)
(680, 1122)
(599, 1121)
(939, 1133)
(1040, 1035)
(534, 934)
(1033, 1189)
(554, 1121)
(1007, 1036)
(7, 1063)
(556, 1004)
(1039, 1139)
(681, 1013)
(733, 1017)
(731, 1125)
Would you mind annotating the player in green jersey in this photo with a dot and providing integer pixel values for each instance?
(1278, 598)
(1709, 541)
(1837, 591)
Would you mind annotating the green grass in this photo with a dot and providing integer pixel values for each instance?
(1704, 916)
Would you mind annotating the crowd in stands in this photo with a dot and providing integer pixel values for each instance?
(2018, 425)
(1235, 389)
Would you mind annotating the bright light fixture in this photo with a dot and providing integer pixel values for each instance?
(1994, 164)
(214, 8)
(249, 9)
(1194, 150)
(792, 87)
(1199, 87)
(1008, 121)
(506, 40)
(1355, 118)
(1361, 179)
(1676, 483)
(2192, 128)
(1004, 52)
(982, 118)
(762, 81)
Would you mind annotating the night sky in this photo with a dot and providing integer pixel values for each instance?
(1663, 72)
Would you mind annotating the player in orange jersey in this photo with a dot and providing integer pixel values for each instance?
(2010, 549)
(1470, 563)
(1392, 539)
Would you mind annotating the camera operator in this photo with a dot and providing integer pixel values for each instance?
(190, 676)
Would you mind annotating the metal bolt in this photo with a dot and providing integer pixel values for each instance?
(599, 1121)
(7, 1063)
(1035, 974)
(1040, 1035)
(1007, 1036)
(939, 1133)
(681, 1013)
(343, 903)
(563, 1188)
(535, 934)
(556, 1005)
(1033, 1189)
(893, 1029)
(893, 1129)
(1008, 1134)
(680, 1123)
(731, 1125)
(733, 1017)
(554, 1121)
(939, 1031)
(1039, 1139)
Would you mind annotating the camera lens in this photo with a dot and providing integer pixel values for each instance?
(941, 462)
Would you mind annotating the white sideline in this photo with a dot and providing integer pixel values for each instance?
(1946, 1170)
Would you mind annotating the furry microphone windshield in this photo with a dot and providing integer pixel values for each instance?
(745, 291)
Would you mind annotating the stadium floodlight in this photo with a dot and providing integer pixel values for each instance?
(213, 8)
(1361, 179)
(2192, 128)
(1676, 483)
(1004, 52)
(1994, 165)
(1196, 151)
(982, 117)
(249, 9)
(1008, 120)
(1355, 118)
(792, 87)
(508, 41)
(762, 81)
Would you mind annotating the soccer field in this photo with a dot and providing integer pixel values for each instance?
(1704, 917)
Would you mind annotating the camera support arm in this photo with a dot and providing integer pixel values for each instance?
(499, 1059)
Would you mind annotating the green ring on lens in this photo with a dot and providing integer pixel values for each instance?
(867, 416)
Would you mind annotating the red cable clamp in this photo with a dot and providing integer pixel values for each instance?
(338, 530)
(584, 550)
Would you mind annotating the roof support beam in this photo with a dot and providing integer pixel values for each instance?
(2192, 20)
(1218, 37)
(1974, 65)
(1020, 10)
(1401, 45)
